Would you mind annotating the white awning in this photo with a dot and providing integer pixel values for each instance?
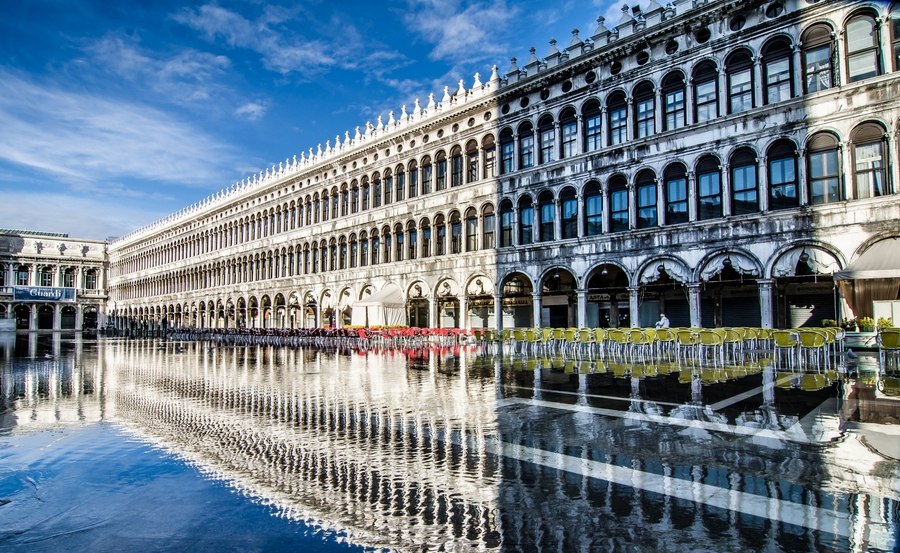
(881, 260)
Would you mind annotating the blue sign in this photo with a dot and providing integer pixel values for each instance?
(42, 293)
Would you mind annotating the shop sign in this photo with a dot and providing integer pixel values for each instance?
(43, 293)
(481, 302)
(598, 297)
(516, 302)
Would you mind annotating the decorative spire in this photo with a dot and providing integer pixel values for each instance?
(403, 115)
(477, 84)
(380, 125)
(553, 49)
(431, 104)
(446, 99)
(417, 110)
(391, 120)
(513, 68)
(495, 77)
(461, 91)
(575, 40)
(601, 26)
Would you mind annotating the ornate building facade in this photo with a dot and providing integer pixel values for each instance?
(51, 281)
(717, 161)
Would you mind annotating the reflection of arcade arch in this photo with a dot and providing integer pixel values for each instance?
(663, 290)
(447, 293)
(729, 294)
(804, 286)
(480, 302)
(23, 317)
(417, 305)
(608, 302)
(558, 298)
(517, 295)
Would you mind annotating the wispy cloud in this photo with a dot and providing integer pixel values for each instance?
(90, 142)
(252, 110)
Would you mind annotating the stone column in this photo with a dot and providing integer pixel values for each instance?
(765, 302)
(433, 312)
(762, 183)
(536, 306)
(57, 317)
(725, 175)
(581, 309)
(634, 306)
(694, 303)
(498, 312)
(464, 312)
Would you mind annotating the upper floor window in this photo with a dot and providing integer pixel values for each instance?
(426, 238)
(644, 110)
(440, 236)
(376, 191)
(706, 92)
(818, 70)
(456, 167)
(547, 133)
(675, 189)
(739, 70)
(593, 209)
(455, 233)
(388, 187)
(744, 184)
(471, 161)
(413, 179)
(895, 34)
(645, 190)
(823, 163)
(354, 199)
(440, 177)
(471, 230)
(507, 152)
(47, 276)
(777, 70)
(488, 223)
(526, 221)
(568, 126)
(868, 161)
(345, 203)
(782, 160)
(618, 204)
(426, 175)
(673, 98)
(413, 240)
(862, 48)
(548, 216)
(506, 225)
(709, 189)
(526, 146)
(592, 116)
(569, 206)
(617, 110)
(489, 154)
(400, 187)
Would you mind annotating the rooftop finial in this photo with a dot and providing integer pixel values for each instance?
(477, 83)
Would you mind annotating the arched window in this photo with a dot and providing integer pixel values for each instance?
(376, 190)
(526, 146)
(363, 249)
(673, 100)
(471, 230)
(333, 250)
(425, 227)
(440, 235)
(706, 92)
(782, 160)
(547, 136)
(342, 253)
(568, 204)
(365, 194)
(426, 175)
(413, 179)
(456, 166)
(386, 243)
(739, 70)
(618, 204)
(675, 182)
(400, 186)
(592, 117)
(488, 228)
(412, 240)
(471, 161)
(644, 110)
(489, 155)
(645, 191)
(388, 186)
(744, 185)
(317, 206)
(617, 111)
(335, 201)
(777, 70)
(863, 54)
(709, 189)
(455, 233)
(507, 152)
(593, 209)
(399, 242)
(824, 173)
(547, 208)
(568, 126)
(375, 254)
(526, 221)
(818, 69)
(868, 161)
(440, 178)
(354, 197)
(354, 251)
(506, 224)
(345, 203)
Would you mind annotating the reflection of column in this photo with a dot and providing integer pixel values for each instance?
(633, 307)
(581, 320)
(694, 303)
(765, 302)
(536, 305)
(33, 323)
(498, 312)
(57, 316)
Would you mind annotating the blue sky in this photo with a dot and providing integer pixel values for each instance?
(114, 114)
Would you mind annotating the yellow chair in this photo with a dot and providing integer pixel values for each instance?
(813, 343)
(786, 341)
(600, 338)
(618, 340)
(640, 342)
(712, 341)
(888, 344)
(688, 344)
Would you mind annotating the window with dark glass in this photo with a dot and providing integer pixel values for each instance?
(862, 48)
(592, 118)
(365, 196)
(471, 231)
(388, 188)
(426, 176)
(547, 134)
(782, 160)
(488, 222)
(440, 176)
(354, 199)
(400, 189)
(387, 243)
(413, 242)
(645, 190)
(354, 253)
(456, 167)
(426, 240)
(472, 162)
(345, 201)
(440, 237)
(739, 71)
(526, 146)
(709, 189)
(823, 169)
(413, 180)
(489, 152)
(644, 110)
(342, 256)
(506, 225)
(399, 248)
(455, 234)
(676, 191)
(376, 250)
(548, 217)
(569, 207)
(673, 98)
(895, 43)
(618, 119)
(507, 152)
(376, 192)
(818, 69)
(593, 209)
(706, 92)
(744, 184)
(777, 70)
(618, 205)
(568, 126)
(363, 251)
(526, 221)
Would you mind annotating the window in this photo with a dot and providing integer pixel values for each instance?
(673, 96)
(739, 69)
(471, 231)
(547, 133)
(354, 251)
(426, 239)
(342, 256)
(818, 71)
(618, 122)
(868, 161)
(548, 216)
(413, 236)
(823, 169)
(68, 278)
(645, 110)
(47, 277)
(399, 245)
(488, 222)
(569, 128)
(90, 280)
(506, 225)
(675, 182)
(489, 152)
(645, 189)
(526, 221)
(388, 187)
(709, 189)
(507, 151)
(440, 178)
(592, 116)
(593, 209)
(569, 206)
(455, 233)
(376, 249)
(440, 236)
(618, 204)
(862, 48)
(426, 175)
(782, 175)
(413, 180)
(526, 146)
(345, 203)
(777, 70)
(354, 199)
(472, 161)
(706, 92)
(376, 191)
(744, 186)
(365, 196)
(386, 241)
(334, 203)
(456, 167)
(895, 33)
(400, 190)
(363, 250)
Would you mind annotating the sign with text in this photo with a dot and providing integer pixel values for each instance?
(43, 293)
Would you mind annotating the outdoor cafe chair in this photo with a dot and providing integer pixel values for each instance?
(786, 341)
(813, 343)
(888, 344)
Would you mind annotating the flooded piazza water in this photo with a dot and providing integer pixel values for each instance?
(115, 444)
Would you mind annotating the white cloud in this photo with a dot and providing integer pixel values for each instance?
(87, 141)
(252, 110)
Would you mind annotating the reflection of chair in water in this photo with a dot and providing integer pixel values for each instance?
(888, 344)
(640, 342)
(618, 341)
(664, 342)
(813, 346)
(687, 344)
(600, 338)
(786, 341)
(810, 382)
(586, 340)
(889, 386)
(713, 342)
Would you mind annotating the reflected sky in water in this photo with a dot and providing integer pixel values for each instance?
(441, 449)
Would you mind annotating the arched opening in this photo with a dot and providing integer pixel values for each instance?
(558, 299)
(608, 298)
(729, 293)
(517, 300)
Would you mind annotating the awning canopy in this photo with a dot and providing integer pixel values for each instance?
(384, 308)
(882, 260)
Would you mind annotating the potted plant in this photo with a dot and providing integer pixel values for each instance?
(826, 323)
(866, 324)
(885, 322)
(848, 324)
